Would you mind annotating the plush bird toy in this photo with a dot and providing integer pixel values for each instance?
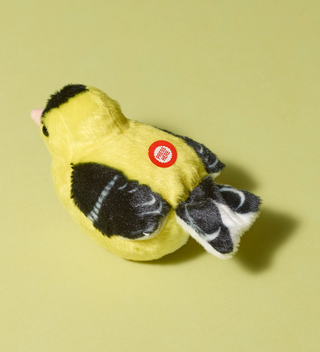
(137, 190)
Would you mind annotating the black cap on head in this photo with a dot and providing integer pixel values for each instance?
(63, 95)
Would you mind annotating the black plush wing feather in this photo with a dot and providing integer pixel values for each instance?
(114, 204)
(216, 215)
(211, 162)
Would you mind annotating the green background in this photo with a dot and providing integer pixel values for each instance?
(243, 78)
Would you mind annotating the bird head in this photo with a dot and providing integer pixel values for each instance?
(78, 118)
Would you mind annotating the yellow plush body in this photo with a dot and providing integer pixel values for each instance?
(108, 177)
(105, 136)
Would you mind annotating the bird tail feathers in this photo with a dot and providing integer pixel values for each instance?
(217, 215)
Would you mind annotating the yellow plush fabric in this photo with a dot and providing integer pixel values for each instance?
(90, 127)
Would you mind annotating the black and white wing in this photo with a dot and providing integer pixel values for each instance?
(116, 205)
(211, 162)
(217, 215)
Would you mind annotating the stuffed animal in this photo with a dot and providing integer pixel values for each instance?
(138, 190)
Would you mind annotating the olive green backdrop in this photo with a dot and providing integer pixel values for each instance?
(243, 78)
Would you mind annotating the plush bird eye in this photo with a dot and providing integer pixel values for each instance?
(45, 131)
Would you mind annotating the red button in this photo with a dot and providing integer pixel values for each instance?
(162, 153)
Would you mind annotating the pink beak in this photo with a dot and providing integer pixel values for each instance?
(36, 115)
